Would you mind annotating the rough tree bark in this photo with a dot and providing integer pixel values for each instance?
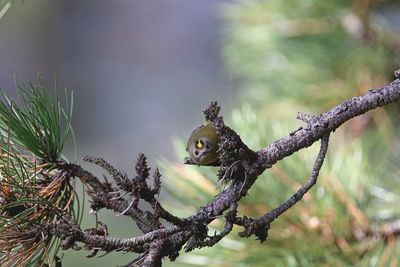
(239, 168)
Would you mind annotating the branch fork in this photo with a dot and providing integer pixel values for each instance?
(165, 234)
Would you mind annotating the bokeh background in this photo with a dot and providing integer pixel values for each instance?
(154, 64)
(142, 71)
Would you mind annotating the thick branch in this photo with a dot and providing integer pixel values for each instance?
(329, 121)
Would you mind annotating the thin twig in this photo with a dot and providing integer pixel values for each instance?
(261, 225)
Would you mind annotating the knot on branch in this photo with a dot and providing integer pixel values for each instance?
(100, 231)
(254, 227)
(68, 231)
(199, 231)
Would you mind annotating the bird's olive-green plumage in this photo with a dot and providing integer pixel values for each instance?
(203, 144)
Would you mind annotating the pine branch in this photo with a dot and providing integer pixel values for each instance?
(165, 234)
(239, 169)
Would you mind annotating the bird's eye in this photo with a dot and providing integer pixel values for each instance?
(196, 152)
(207, 147)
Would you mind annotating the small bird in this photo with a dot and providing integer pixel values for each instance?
(203, 144)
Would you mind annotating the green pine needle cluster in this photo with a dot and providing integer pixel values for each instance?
(33, 192)
(39, 124)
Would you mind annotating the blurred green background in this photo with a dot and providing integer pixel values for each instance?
(141, 72)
